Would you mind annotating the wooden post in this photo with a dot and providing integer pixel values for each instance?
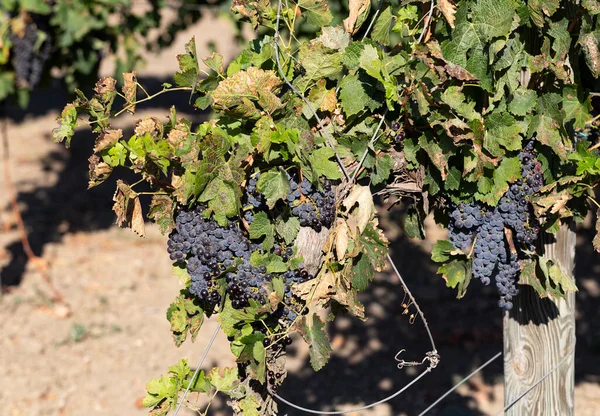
(538, 334)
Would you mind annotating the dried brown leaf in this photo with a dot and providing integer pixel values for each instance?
(98, 171)
(129, 90)
(128, 208)
(107, 138)
(358, 12)
(596, 241)
(448, 9)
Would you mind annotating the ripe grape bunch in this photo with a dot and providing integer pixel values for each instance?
(313, 207)
(211, 252)
(31, 49)
(493, 256)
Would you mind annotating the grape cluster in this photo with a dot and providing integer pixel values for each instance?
(253, 199)
(314, 208)
(492, 255)
(246, 284)
(208, 250)
(30, 52)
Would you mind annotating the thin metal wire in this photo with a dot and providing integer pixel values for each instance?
(373, 19)
(299, 94)
(371, 142)
(443, 396)
(427, 21)
(208, 347)
(358, 409)
(413, 300)
(511, 404)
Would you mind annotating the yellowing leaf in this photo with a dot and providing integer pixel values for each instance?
(360, 207)
(341, 239)
(248, 92)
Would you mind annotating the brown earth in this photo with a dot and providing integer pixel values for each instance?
(118, 287)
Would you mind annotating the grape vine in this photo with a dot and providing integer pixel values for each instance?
(475, 112)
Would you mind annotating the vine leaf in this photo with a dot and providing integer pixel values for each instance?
(129, 90)
(323, 166)
(107, 139)
(262, 226)
(287, 228)
(224, 381)
(128, 208)
(187, 76)
(317, 12)
(383, 27)
(161, 212)
(354, 98)
(186, 316)
(67, 122)
(319, 350)
(374, 244)
(558, 282)
(334, 37)
(360, 207)
(247, 92)
(274, 185)
(318, 62)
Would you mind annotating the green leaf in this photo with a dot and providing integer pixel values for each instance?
(456, 273)
(319, 349)
(187, 76)
(287, 228)
(317, 12)
(383, 26)
(222, 199)
(66, 123)
(523, 102)
(250, 406)
(361, 273)
(224, 381)
(560, 282)
(443, 250)
(354, 98)
(502, 130)
(274, 185)
(375, 246)
(576, 109)
(457, 101)
(506, 173)
(453, 179)
(383, 169)
(262, 226)
(322, 165)
(318, 62)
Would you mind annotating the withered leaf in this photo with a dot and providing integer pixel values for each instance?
(129, 90)
(128, 209)
(107, 139)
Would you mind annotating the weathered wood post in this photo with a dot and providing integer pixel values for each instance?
(538, 334)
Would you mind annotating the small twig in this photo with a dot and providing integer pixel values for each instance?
(39, 263)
